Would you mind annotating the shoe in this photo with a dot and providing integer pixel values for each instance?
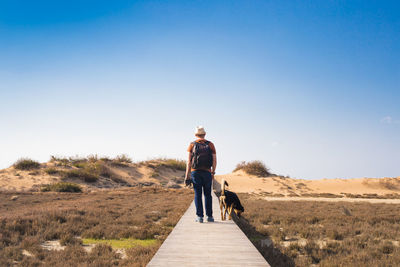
(210, 219)
(199, 219)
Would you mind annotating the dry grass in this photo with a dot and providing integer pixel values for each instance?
(139, 213)
(175, 164)
(26, 164)
(121, 160)
(256, 168)
(88, 170)
(158, 165)
(376, 196)
(84, 175)
(51, 171)
(323, 233)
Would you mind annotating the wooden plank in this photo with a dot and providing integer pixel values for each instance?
(220, 243)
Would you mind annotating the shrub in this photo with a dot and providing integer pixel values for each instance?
(387, 248)
(105, 159)
(79, 165)
(26, 164)
(69, 239)
(77, 159)
(175, 164)
(123, 158)
(92, 158)
(255, 167)
(62, 161)
(62, 187)
(140, 255)
(81, 174)
(51, 171)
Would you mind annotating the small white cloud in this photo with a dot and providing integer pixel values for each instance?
(387, 120)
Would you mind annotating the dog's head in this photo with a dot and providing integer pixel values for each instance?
(239, 210)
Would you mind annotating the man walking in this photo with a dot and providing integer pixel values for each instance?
(201, 164)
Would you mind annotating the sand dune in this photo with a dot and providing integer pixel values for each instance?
(151, 172)
(281, 186)
(157, 172)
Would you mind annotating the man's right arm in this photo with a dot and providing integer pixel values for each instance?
(188, 166)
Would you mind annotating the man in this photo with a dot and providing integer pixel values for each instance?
(201, 164)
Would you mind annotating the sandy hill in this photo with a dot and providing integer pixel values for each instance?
(93, 173)
(239, 181)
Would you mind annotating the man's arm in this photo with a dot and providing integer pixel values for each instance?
(188, 166)
(214, 164)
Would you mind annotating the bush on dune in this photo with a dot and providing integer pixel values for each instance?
(51, 171)
(84, 175)
(62, 187)
(123, 158)
(26, 164)
(175, 164)
(255, 167)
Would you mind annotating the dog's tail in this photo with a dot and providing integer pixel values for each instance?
(223, 183)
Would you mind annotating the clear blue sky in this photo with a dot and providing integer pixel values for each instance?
(312, 88)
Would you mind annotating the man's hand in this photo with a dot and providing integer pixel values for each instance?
(187, 182)
(187, 179)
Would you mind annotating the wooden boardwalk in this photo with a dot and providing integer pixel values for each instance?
(220, 243)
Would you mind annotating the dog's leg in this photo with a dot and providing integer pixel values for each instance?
(225, 208)
(221, 206)
(230, 212)
(225, 211)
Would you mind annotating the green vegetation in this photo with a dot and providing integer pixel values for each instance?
(60, 161)
(61, 187)
(26, 164)
(121, 160)
(175, 164)
(80, 174)
(255, 167)
(88, 169)
(51, 171)
(121, 243)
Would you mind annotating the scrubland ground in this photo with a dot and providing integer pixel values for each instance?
(305, 233)
(128, 226)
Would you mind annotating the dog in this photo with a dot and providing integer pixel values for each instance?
(229, 201)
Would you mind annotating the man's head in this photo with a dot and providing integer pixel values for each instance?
(200, 132)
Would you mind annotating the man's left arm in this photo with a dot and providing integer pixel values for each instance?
(214, 165)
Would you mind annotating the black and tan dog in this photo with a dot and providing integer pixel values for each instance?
(229, 201)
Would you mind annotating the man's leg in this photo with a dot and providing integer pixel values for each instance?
(207, 193)
(198, 194)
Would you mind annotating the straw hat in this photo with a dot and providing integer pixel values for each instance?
(199, 130)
